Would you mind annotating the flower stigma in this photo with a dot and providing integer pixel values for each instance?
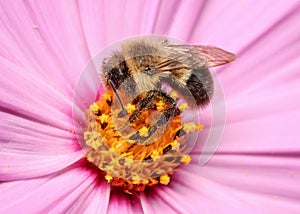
(141, 153)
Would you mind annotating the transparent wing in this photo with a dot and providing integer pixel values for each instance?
(213, 56)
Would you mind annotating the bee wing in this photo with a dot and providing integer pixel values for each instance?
(169, 65)
(213, 56)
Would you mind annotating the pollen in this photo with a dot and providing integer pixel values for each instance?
(164, 179)
(104, 118)
(130, 108)
(143, 131)
(107, 96)
(174, 95)
(191, 127)
(175, 145)
(155, 154)
(160, 105)
(140, 154)
(186, 159)
(95, 108)
(108, 178)
(183, 106)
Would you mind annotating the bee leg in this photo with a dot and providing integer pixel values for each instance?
(162, 120)
(167, 113)
(149, 102)
(143, 104)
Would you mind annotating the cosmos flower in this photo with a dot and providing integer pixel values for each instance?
(44, 47)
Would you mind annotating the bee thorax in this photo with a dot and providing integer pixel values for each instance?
(145, 82)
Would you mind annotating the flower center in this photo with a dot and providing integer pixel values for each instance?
(140, 153)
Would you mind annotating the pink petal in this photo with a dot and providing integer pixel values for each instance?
(34, 38)
(17, 165)
(44, 103)
(121, 201)
(153, 203)
(57, 193)
(45, 39)
(261, 109)
(247, 183)
(276, 52)
(90, 197)
(232, 25)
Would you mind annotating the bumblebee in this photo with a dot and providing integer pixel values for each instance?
(142, 65)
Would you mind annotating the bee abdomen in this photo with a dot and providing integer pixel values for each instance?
(200, 84)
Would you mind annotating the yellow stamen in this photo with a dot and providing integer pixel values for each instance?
(186, 159)
(107, 96)
(129, 164)
(183, 106)
(143, 131)
(192, 127)
(174, 95)
(130, 108)
(95, 108)
(175, 145)
(164, 179)
(108, 178)
(104, 118)
(93, 139)
(155, 154)
(160, 105)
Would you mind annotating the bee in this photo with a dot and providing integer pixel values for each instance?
(142, 65)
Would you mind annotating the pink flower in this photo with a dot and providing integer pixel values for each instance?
(44, 47)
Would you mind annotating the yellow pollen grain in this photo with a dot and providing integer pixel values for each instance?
(191, 127)
(174, 95)
(160, 105)
(127, 155)
(175, 145)
(130, 108)
(183, 106)
(108, 178)
(164, 179)
(93, 139)
(95, 108)
(107, 96)
(109, 168)
(104, 118)
(144, 131)
(155, 154)
(146, 181)
(185, 159)
(136, 179)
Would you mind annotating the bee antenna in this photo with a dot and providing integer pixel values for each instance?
(117, 94)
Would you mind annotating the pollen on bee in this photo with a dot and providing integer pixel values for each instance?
(129, 164)
(144, 131)
(107, 96)
(160, 105)
(130, 108)
(155, 154)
